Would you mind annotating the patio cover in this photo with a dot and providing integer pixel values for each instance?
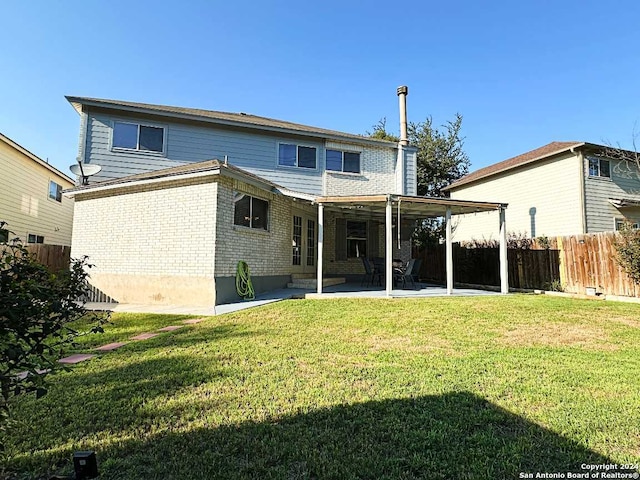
(413, 208)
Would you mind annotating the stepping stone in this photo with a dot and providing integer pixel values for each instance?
(145, 336)
(193, 321)
(25, 374)
(77, 358)
(170, 328)
(111, 346)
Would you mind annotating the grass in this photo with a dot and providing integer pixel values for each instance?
(465, 388)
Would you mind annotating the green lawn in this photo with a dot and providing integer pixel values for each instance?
(451, 388)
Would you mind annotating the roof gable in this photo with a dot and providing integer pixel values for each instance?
(35, 158)
(541, 153)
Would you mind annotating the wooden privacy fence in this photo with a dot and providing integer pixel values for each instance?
(580, 261)
(589, 261)
(55, 257)
(481, 266)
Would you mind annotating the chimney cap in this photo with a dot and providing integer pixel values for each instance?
(403, 90)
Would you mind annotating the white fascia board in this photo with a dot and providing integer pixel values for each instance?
(136, 183)
(291, 193)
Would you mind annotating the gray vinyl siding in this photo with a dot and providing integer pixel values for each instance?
(186, 142)
(624, 183)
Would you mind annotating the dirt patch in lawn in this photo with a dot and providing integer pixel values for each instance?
(557, 334)
(630, 322)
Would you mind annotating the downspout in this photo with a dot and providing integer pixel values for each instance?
(583, 199)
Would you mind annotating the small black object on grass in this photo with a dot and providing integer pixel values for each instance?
(85, 465)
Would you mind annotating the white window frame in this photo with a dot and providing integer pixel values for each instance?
(600, 160)
(296, 166)
(359, 172)
(137, 149)
(58, 192)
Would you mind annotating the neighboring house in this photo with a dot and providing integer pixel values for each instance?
(31, 200)
(184, 194)
(563, 188)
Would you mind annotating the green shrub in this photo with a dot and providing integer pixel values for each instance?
(627, 244)
(37, 308)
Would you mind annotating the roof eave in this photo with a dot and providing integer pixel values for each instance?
(77, 103)
(462, 183)
(35, 158)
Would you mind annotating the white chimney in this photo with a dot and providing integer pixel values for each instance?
(403, 91)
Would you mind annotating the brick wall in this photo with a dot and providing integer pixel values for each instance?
(377, 167)
(266, 252)
(150, 243)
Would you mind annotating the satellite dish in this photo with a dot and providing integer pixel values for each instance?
(85, 171)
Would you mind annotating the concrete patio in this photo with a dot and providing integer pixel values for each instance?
(345, 290)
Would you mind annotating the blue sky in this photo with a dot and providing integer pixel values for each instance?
(522, 74)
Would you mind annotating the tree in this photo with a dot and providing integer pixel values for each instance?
(37, 311)
(380, 131)
(627, 244)
(620, 154)
(441, 160)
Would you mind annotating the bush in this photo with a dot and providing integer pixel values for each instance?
(37, 308)
(627, 244)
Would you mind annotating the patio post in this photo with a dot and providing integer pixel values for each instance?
(449, 252)
(504, 262)
(388, 241)
(320, 245)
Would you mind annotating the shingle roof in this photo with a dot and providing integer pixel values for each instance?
(548, 150)
(228, 118)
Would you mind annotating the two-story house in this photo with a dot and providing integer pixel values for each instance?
(31, 200)
(184, 194)
(563, 188)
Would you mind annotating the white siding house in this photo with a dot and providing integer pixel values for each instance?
(31, 200)
(552, 191)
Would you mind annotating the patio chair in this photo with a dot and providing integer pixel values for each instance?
(415, 271)
(370, 273)
(404, 276)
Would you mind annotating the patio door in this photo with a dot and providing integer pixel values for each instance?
(304, 243)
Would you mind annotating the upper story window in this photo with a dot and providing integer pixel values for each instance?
(599, 167)
(134, 136)
(250, 212)
(343, 161)
(55, 191)
(297, 156)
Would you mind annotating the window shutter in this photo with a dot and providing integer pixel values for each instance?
(373, 249)
(341, 239)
